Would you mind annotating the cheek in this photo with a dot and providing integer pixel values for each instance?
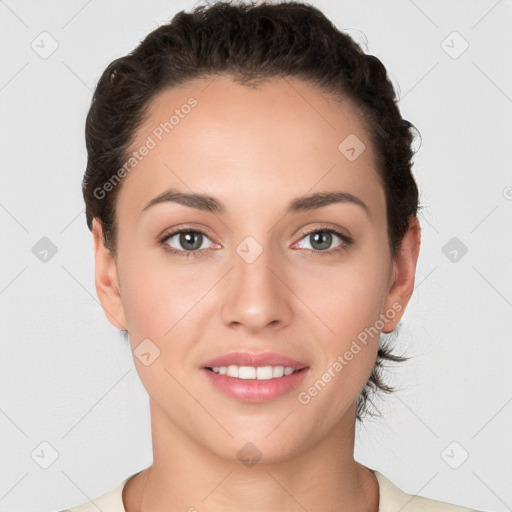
(161, 305)
(349, 305)
(347, 297)
(349, 308)
(160, 298)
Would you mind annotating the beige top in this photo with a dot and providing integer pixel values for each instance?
(391, 499)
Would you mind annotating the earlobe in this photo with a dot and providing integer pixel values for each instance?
(404, 271)
(106, 280)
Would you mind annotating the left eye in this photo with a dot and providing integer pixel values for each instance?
(321, 240)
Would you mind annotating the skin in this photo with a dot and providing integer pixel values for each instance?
(254, 149)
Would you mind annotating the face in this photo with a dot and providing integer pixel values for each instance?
(265, 268)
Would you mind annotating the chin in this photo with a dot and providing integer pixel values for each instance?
(259, 448)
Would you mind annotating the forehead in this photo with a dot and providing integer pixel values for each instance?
(240, 143)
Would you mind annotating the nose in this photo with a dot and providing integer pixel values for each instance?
(256, 294)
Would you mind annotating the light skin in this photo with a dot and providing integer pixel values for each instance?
(254, 150)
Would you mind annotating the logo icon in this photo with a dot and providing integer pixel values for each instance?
(249, 454)
(249, 249)
(146, 352)
(454, 45)
(44, 250)
(44, 45)
(454, 249)
(351, 147)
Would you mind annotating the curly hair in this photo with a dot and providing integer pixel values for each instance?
(250, 42)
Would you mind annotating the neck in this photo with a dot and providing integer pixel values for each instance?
(187, 476)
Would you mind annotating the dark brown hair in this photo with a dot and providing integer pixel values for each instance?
(250, 42)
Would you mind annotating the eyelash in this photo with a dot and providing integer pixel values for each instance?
(347, 242)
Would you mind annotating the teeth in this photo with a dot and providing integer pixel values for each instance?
(252, 372)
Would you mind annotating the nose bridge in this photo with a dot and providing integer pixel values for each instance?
(255, 296)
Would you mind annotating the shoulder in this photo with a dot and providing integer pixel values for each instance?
(392, 499)
(112, 501)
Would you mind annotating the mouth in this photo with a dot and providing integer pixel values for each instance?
(253, 377)
(255, 384)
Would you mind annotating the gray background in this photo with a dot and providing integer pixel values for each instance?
(67, 377)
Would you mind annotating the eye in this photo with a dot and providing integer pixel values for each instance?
(188, 242)
(321, 239)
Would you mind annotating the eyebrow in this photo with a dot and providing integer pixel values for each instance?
(210, 204)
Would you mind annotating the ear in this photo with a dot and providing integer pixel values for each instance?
(402, 278)
(106, 280)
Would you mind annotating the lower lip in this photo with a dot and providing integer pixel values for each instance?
(253, 390)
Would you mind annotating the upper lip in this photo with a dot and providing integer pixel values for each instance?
(254, 359)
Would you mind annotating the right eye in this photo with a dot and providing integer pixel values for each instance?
(191, 241)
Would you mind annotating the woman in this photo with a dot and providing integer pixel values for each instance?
(253, 210)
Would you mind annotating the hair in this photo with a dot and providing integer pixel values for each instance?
(250, 41)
